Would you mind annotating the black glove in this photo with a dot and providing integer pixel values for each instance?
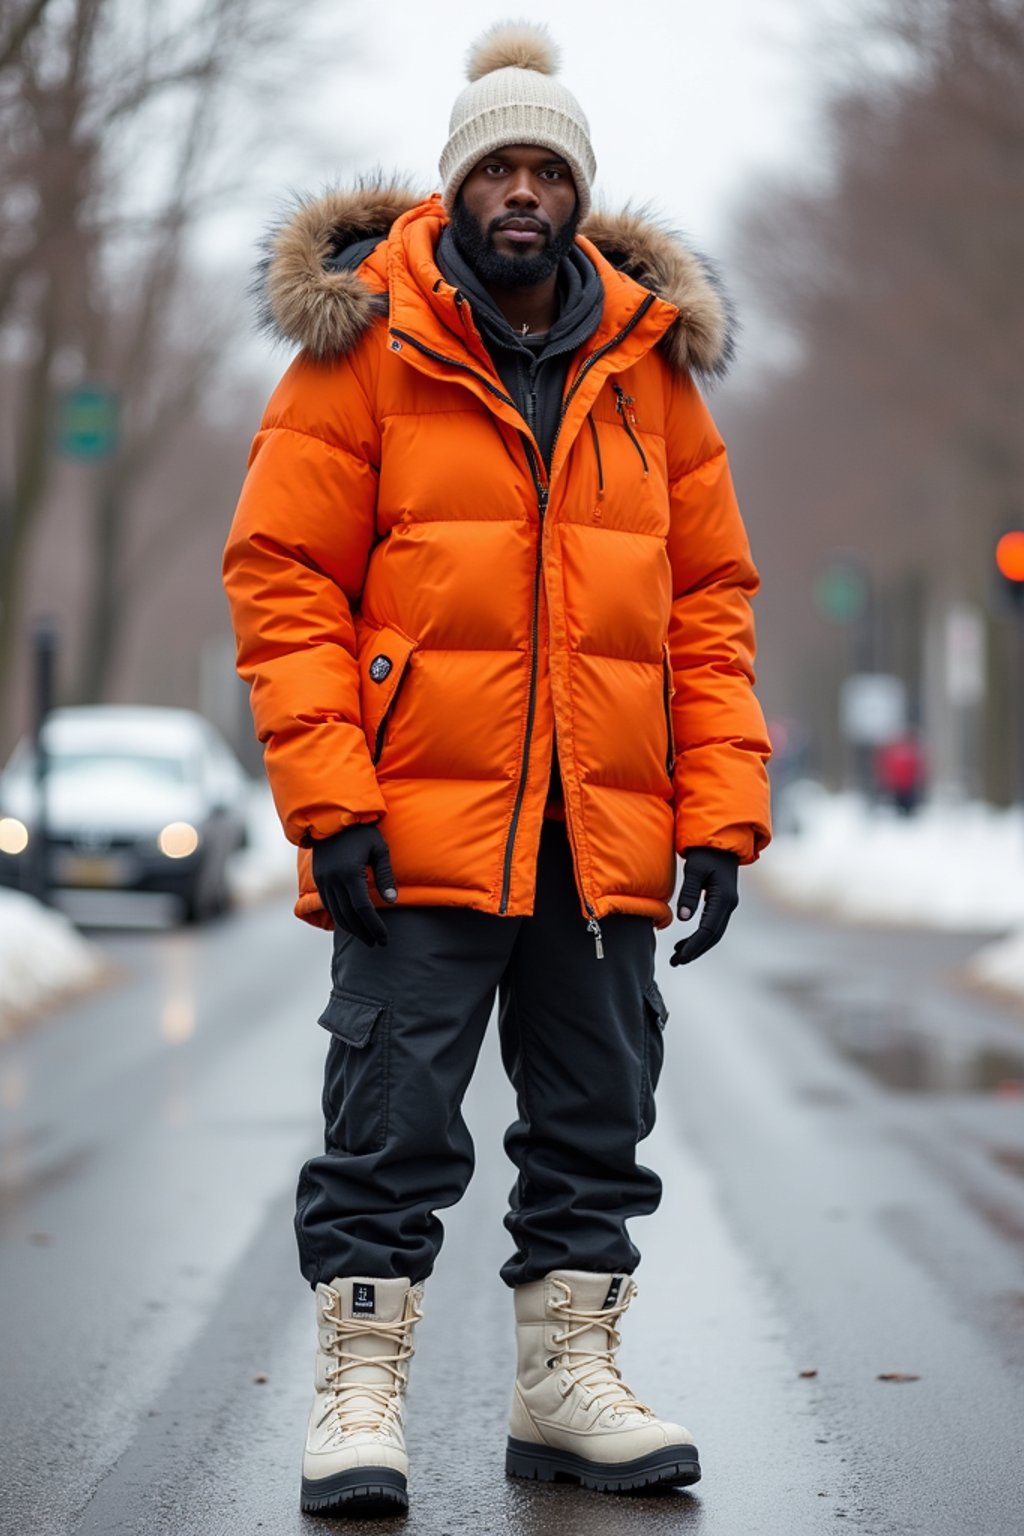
(714, 872)
(339, 869)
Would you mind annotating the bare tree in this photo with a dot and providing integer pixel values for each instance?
(899, 431)
(49, 166)
(111, 114)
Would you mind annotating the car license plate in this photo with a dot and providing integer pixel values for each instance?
(92, 870)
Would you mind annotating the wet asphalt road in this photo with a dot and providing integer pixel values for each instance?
(841, 1134)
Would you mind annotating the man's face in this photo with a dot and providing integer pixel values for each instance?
(515, 216)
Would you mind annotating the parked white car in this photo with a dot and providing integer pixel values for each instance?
(137, 799)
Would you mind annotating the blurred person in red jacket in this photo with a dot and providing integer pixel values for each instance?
(901, 771)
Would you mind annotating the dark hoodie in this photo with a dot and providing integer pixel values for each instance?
(532, 368)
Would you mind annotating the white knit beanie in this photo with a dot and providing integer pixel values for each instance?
(513, 99)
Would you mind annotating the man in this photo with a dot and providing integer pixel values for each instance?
(491, 592)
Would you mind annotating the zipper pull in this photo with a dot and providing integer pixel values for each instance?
(594, 927)
(542, 499)
(624, 404)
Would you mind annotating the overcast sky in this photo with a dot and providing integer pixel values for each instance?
(689, 103)
(686, 100)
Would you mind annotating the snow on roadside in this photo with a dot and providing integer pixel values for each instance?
(1000, 966)
(953, 867)
(42, 958)
(958, 867)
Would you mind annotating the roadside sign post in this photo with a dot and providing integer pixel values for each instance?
(965, 676)
(44, 668)
(844, 597)
(872, 711)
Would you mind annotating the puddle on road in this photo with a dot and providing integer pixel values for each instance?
(882, 1037)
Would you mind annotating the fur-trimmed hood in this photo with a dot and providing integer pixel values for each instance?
(309, 292)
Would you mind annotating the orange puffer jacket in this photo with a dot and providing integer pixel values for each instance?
(422, 610)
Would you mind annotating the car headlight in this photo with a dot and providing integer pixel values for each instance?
(13, 835)
(178, 839)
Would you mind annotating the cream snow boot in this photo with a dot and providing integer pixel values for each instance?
(355, 1457)
(573, 1417)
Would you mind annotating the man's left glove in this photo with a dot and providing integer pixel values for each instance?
(714, 873)
(339, 870)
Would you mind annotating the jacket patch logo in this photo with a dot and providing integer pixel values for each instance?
(364, 1298)
(380, 668)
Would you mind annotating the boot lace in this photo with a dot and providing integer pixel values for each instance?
(595, 1369)
(363, 1405)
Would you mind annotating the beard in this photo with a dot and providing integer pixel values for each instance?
(476, 246)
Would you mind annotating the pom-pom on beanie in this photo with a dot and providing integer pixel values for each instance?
(513, 98)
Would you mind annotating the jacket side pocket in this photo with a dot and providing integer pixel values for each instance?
(356, 1077)
(667, 692)
(383, 663)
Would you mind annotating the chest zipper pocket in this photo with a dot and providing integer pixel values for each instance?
(383, 667)
(592, 424)
(624, 405)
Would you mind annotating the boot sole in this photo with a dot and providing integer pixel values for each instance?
(675, 1466)
(362, 1491)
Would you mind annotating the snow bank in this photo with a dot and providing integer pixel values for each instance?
(1000, 965)
(42, 957)
(953, 867)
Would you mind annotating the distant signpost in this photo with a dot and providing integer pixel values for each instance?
(87, 422)
(872, 708)
(841, 592)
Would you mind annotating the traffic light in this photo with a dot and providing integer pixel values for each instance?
(1010, 565)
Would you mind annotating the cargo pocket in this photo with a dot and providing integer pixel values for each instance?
(655, 1019)
(383, 665)
(356, 1077)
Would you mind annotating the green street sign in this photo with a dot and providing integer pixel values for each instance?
(87, 422)
(841, 593)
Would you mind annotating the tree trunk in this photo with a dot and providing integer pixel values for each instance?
(30, 482)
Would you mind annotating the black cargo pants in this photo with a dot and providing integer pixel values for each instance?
(581, 1040)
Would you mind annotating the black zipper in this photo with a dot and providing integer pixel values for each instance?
(454, 362)
(623, 403)
(597, 455)
(595, 357)
(531, 705)
(530, 391)
(593, 926)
